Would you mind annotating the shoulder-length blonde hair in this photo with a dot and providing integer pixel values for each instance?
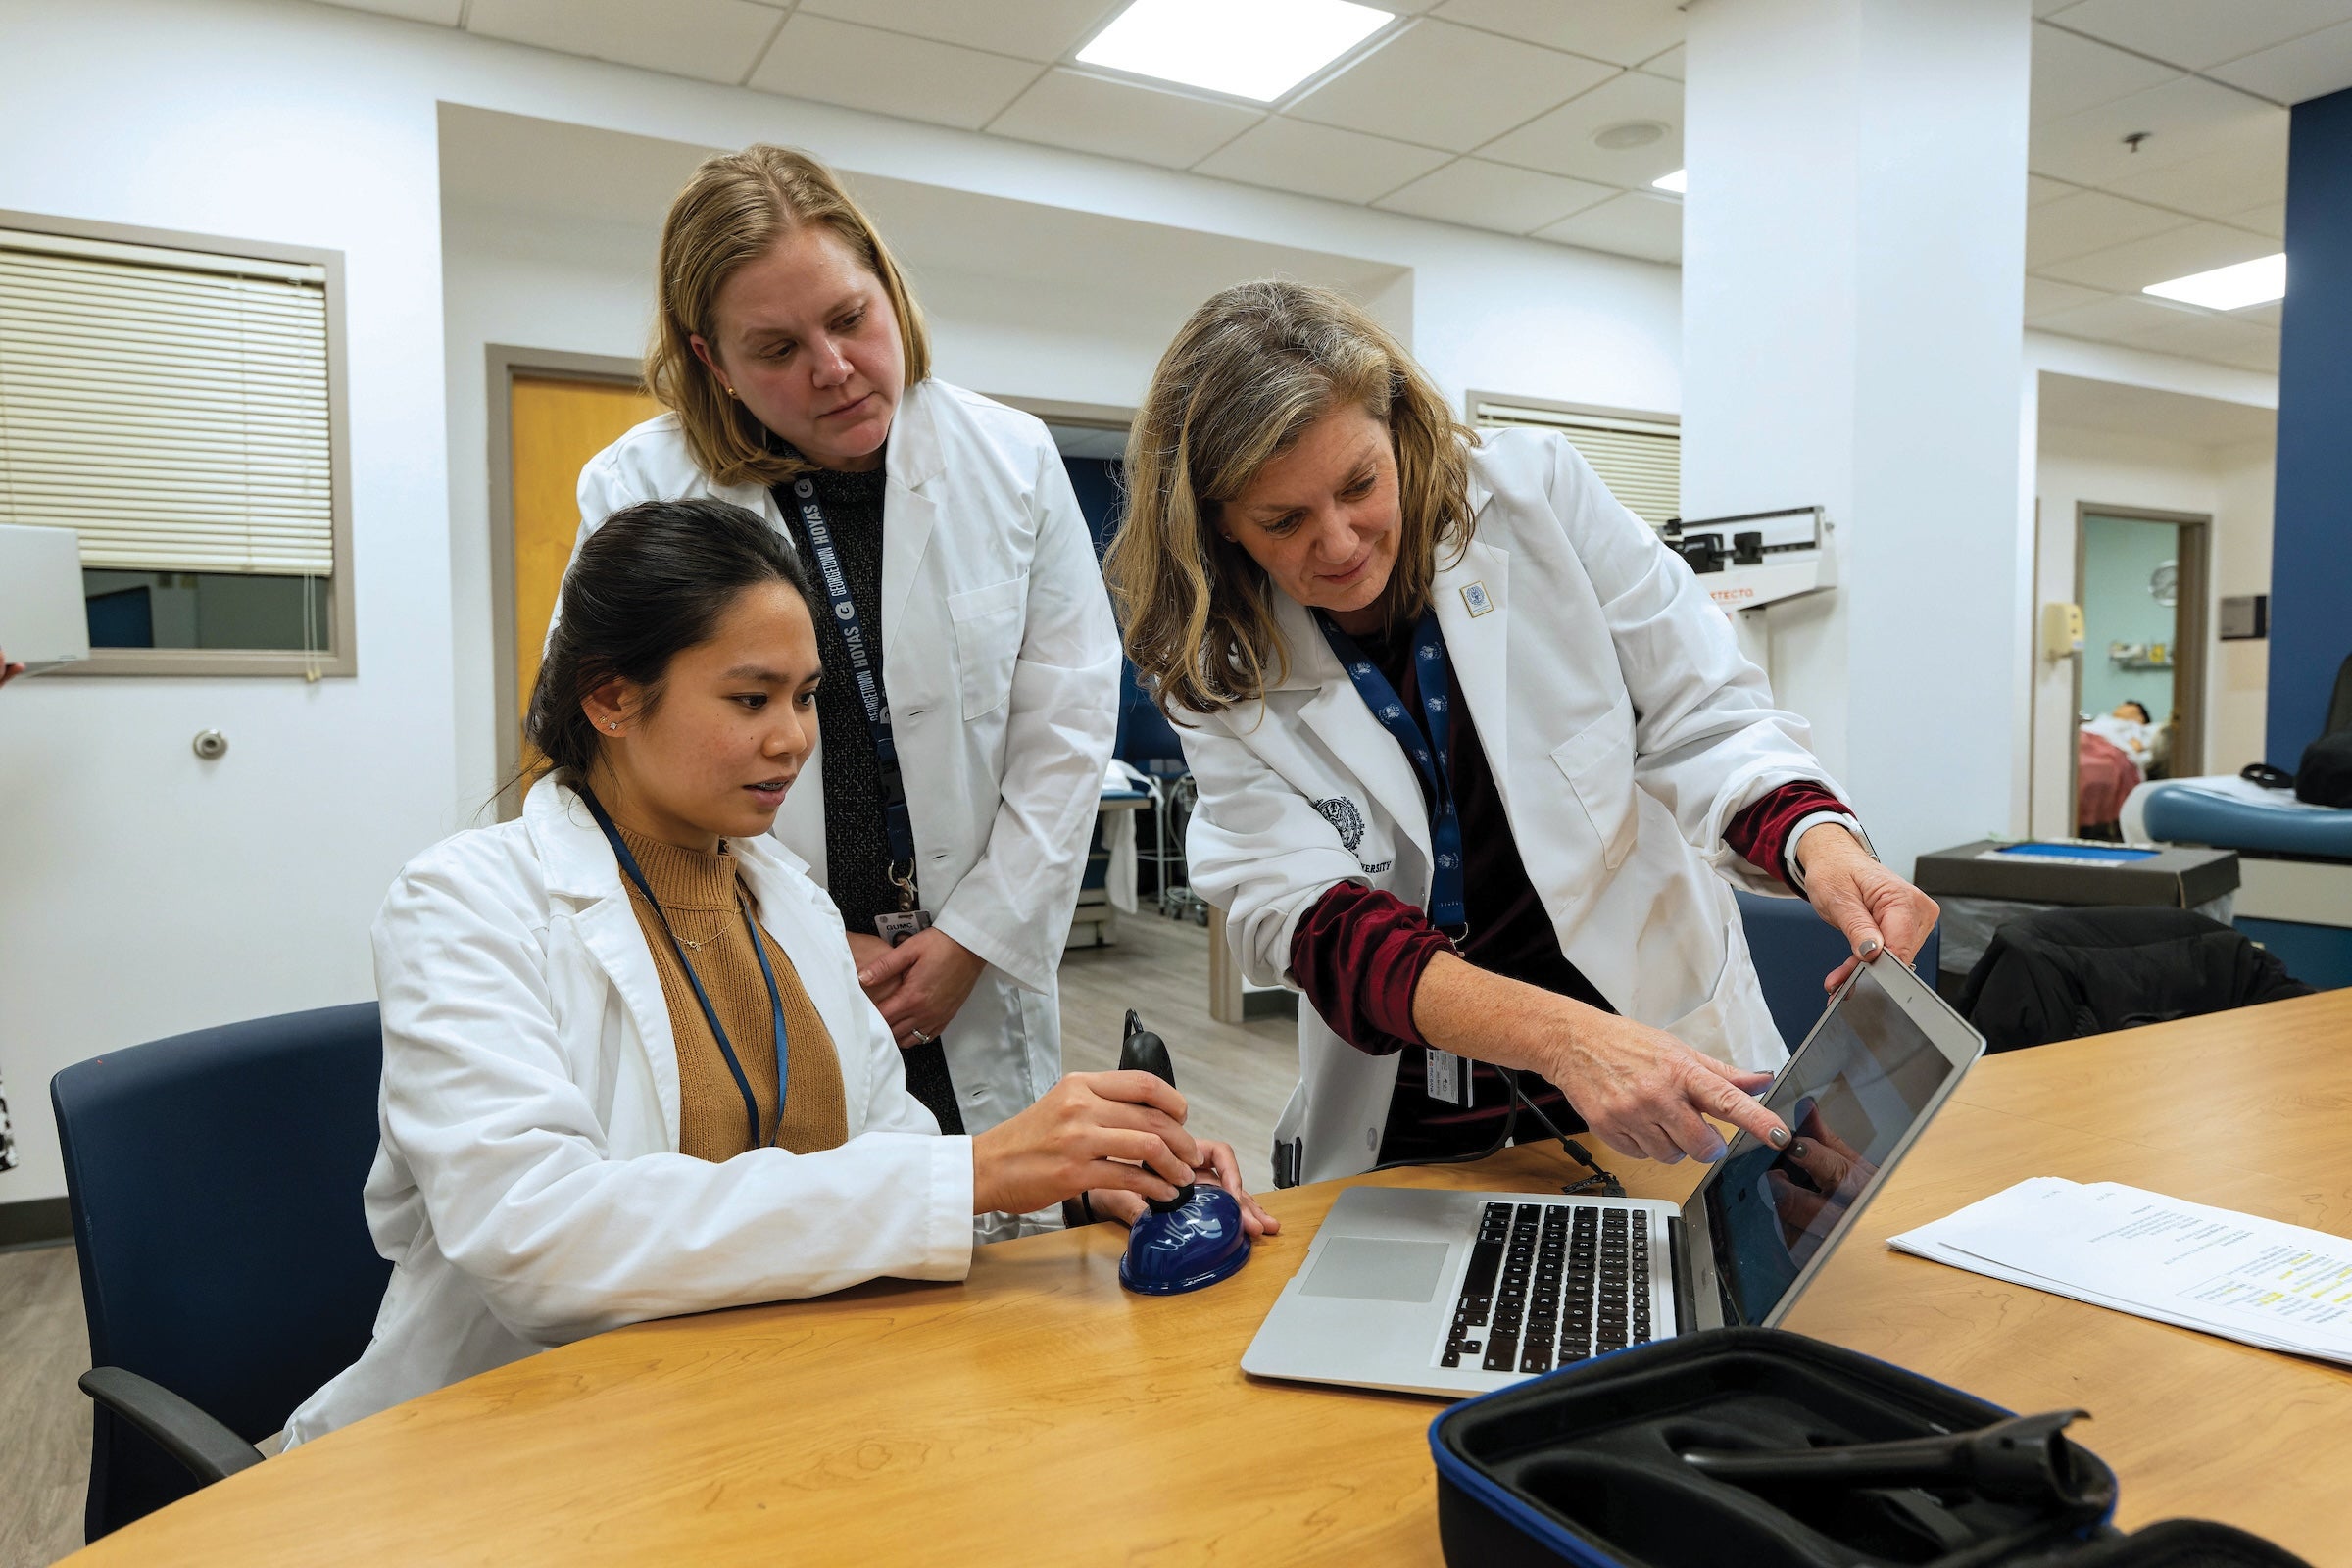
(1246, 375)
(734, 209)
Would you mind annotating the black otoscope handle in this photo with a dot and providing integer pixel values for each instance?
(2022, 1459)
(1142, 1051)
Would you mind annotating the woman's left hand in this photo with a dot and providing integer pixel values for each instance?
(1221, 1167)
(935, 973)
(1874, 907)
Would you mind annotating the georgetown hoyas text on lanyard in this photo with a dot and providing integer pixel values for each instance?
(1428, 747)
(897, 926)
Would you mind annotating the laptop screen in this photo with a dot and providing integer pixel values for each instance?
(1852, 1092)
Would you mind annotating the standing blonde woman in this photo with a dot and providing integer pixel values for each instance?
(1479, 763)
(972, 663)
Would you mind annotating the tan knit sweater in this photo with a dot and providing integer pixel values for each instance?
(698, 892)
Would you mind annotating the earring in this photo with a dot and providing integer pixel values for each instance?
(737, 395)
(612, 723)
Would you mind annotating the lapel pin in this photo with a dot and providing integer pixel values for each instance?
(1475, 596)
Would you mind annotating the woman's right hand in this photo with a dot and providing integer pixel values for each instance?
(9, 671)
(1647, 1094)
(1093, 1130)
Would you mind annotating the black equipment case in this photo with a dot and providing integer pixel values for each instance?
(1814, 1456)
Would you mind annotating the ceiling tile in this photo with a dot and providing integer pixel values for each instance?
(2291, 73)
(2179, 253)
(2073, 74)
(2271, 314)
(2195, 33)
(2089, 220)
(1318, 160)
(2047, 297)
(1071, 109)
(1484, 195)
(2268, 219)
(1034, 29)
(2242, 175)
(1668, 65)
(444, 12)
(717, 40)
(1628, 224)
(1624, 33)
(2117, 319)
(2216, 337)
(2040, 189)
(2186, 118)
(1561, 142)
(1448, 87)
(890, 72)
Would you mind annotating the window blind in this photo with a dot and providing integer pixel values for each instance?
(171, 406)
(1640, 461)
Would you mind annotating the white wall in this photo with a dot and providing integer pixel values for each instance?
(2113, 469)
(147, 893)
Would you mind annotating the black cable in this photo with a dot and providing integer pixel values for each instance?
(1606, 1184)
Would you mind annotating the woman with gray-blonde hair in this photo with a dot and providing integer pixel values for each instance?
(1479, 761)
(971, 664)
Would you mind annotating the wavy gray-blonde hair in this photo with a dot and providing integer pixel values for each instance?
(1246, 375)
(731, 212)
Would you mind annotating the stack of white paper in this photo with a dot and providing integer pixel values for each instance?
(2278, 1286)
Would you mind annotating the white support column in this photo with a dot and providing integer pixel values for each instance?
(1853, 263)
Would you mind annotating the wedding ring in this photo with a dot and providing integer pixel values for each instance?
(920, 1038)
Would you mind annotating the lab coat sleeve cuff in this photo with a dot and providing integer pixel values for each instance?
(950, 1248)
(1015, 958)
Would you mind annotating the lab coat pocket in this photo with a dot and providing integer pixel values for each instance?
(988, 625)
(1599, 761)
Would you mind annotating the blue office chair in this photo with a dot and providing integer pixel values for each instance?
(226, 1268)
(1793, 949)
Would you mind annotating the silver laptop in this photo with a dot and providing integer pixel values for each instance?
(1462, 1292)
(43, 620)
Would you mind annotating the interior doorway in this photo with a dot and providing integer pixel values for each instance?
(2141, 576)
(549, 413)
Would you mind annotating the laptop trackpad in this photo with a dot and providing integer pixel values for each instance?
(1371, 1269)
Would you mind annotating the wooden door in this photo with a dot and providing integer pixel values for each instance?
(556, 424)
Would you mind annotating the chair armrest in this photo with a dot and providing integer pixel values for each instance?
(210, 1451)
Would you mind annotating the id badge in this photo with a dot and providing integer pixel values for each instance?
(1446, 1078)
(897, 928)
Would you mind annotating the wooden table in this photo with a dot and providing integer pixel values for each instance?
(1037, 1414)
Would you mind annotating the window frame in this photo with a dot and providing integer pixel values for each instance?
(340, 656)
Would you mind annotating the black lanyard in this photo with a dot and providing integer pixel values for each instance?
(1430, 751)
(896, 821)
(775, 998)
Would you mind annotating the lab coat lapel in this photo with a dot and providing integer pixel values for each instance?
(1338, 716)
(1476, 643)
(580, 866)
(908, 514)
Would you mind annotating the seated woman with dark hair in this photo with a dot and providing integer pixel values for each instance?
(628, 1068)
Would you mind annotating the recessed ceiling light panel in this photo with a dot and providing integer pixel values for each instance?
(1254, 49)
(2229, 288)
(1678, 182)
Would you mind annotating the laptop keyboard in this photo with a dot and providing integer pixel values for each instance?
(1549, 1283)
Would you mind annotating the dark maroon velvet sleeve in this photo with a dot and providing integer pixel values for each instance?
(1357, 956)
(1759, 834)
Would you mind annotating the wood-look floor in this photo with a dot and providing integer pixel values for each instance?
(44, 1420)
(1236, 1078)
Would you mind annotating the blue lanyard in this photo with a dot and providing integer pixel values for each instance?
(775, 998)
(1429, 751)
(896, 822)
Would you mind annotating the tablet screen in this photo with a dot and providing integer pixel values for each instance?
(1850, 1094)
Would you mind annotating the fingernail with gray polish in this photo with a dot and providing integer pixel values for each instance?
(1779, 1138)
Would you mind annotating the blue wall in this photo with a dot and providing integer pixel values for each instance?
(2310, 538)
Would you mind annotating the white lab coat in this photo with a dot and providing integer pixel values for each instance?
(528, 1187)
(1623, 729)
(1002, 664)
